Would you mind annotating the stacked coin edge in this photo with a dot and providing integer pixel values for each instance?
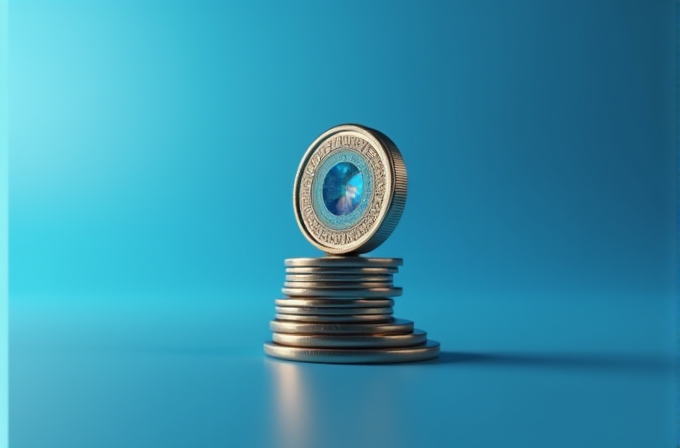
(339, 309)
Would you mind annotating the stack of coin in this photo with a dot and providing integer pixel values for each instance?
(338, 309)
(348, 196)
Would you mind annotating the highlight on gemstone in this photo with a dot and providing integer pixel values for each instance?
(342, 188)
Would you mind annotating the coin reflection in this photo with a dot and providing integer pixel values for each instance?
(318, 406)
(293, 415)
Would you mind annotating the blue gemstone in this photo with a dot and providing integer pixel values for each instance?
(342, 188)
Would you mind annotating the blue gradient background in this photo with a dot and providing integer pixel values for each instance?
(153, 147)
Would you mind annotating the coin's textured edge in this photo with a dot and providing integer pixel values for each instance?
(400, 184)
(346, 262)
(397, 326)
(316, 302)
(429, 350)
(314, 311)
(418, 337)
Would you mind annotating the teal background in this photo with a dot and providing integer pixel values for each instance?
(4, 232)
(153, 148)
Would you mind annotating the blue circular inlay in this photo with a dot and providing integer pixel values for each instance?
(344, 171)
(342, 188)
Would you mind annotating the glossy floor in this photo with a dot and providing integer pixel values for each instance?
(568, 373)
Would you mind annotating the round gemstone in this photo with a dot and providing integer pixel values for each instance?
(342, 188)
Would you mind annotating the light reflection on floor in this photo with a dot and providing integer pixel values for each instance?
(318, 404)
(293, 415)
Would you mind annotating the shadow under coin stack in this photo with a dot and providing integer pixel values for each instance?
(349, 194)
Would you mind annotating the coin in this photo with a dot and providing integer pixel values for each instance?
(343, 293)
(396, 326)
(321, 319)
(428, 350)
(351, 341)
(338, 278)
(350, 190)
(332, 311)
(341, 270)
(349, 262)
(337, 285)
(334, 303)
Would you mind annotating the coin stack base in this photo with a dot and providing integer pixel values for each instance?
(338, 309)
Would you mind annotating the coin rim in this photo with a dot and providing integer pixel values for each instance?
(341, 278)
(429, 350)
(336, 285)
(418, 337)
(336, 318)
(350, 270)
(348, 262)
(397, 326)
(344, 293)
(338, 311)
(331, 302)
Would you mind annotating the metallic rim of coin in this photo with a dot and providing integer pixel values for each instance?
(345, 262)
(372, 220)
(343, 293)
(322, 319)
(429, 350)
(396, 326)
(351, 341)
(334, 303)
(305, 311)
(339, 278)
(341, 270)
(337, 285)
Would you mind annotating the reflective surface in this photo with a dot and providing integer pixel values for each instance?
(575, 374)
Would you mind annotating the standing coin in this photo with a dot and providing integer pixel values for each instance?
(332, 311)
(397, 326)
(351, 341)
(334, 303)
(428, 350)
(348, 293)
(349, 262)
(350, 190)
(321, 319)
